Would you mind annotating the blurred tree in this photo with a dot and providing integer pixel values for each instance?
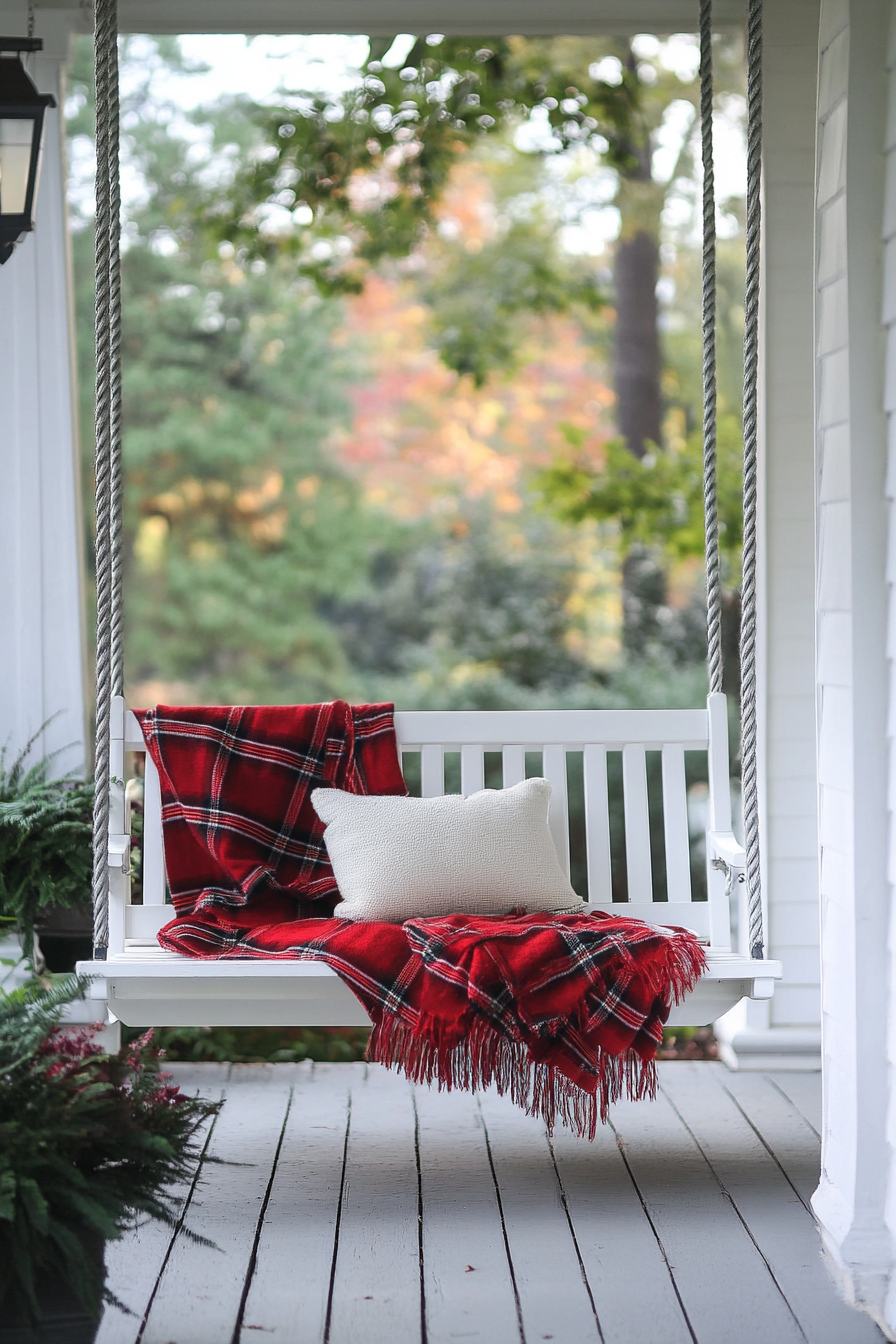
(238, 522)
(254, 567)
(486, 596)
(344, 181)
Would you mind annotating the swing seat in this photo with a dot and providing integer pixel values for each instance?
(143, 985)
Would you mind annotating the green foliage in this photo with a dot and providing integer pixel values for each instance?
(254, 568)
(480, 300)
(656, 500)
(341, 183)
(46, 829)
(238, 523)
(370, 165)
(469, 600)
(258, 1045)
(87, 1141)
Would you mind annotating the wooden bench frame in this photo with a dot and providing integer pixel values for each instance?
(146, 986)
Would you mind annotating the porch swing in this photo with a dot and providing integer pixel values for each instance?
(143, 985)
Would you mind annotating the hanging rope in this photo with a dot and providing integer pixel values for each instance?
(108, 465)
(117, 501)
(710, 504)
(749, 735)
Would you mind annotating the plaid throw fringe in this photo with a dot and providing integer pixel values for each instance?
(564, 1013)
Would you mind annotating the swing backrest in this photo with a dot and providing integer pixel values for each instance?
(467, 750)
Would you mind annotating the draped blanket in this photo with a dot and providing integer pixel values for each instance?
(563, 1012)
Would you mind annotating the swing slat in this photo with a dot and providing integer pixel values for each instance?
(513, 762)
(554, 767)
(153, 849)
(472, 769)
(432, 770)
(675, 825)
(597, 828)
(637, 822)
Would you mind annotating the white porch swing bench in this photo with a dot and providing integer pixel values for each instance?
(144, 985)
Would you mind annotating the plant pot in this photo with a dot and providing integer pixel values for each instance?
(61, 1317)
(65, 935)
(60, 921)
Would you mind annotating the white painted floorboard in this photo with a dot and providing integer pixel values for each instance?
(352, 1208)
(468, 1285)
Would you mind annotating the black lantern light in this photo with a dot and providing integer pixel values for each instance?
(22, 111)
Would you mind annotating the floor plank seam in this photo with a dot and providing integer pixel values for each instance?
(743, 1222)
(423, 1337)
(179, 1226)
(575, 1240)
(348, 1129)
(259, 1226)
(770, 1151)
(514, 1284)
(797, 1108)
(655, 1230)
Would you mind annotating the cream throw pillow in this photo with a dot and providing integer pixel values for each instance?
(409, 858)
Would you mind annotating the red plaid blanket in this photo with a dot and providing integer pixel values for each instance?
(236, 783)
(563, 1012)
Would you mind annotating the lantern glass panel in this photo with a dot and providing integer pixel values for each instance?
(16, 136)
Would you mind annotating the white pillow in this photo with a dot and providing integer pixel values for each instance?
(409, 858)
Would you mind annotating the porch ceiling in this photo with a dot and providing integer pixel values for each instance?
(394, 16)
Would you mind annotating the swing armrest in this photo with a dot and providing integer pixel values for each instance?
(119, 852)
(724, 845)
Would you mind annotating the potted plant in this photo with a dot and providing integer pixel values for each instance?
(46, 828)
(88, 1142)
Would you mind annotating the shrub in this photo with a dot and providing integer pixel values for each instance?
(87, 1142)
(46, 829)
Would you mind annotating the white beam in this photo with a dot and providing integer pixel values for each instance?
(857, 1162)
(789, 1024)
(411, 16)
(42, 647)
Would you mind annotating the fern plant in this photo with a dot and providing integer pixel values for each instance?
(88, 1141)
(46, 829)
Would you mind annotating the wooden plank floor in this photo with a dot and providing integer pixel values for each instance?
(347, 1207)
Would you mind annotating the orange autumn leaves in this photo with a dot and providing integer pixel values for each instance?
(424, 440)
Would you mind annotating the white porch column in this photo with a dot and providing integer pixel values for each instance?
(857, 1162)
(42, 640)
(786, 1032)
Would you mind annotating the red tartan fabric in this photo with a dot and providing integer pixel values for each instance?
(563, 1012)
(236, 798)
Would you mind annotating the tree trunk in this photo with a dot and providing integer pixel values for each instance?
(637, 346)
